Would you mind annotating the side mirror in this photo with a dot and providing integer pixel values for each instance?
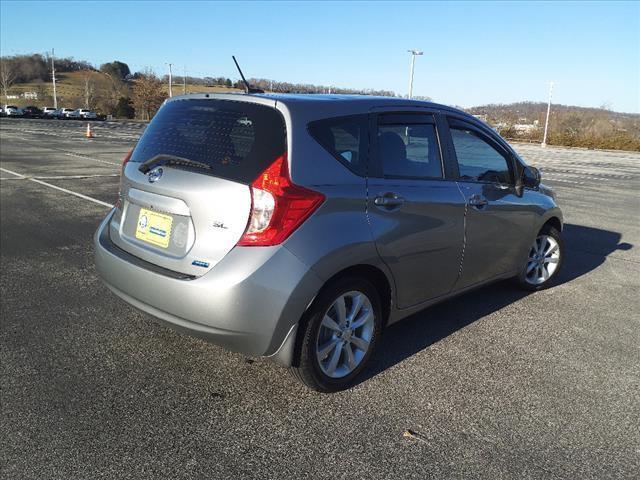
(531, 177)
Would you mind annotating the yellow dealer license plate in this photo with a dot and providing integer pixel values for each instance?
(154, 227)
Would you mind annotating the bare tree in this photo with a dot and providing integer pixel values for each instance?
(110, 93)
(7, 76)
(148, 94)
(89, 90)
(42, 91)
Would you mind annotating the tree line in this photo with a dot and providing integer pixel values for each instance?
(114, 89)
(122, 93)
(568, 125)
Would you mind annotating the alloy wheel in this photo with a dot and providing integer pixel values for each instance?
(345, 334)
(544, 258)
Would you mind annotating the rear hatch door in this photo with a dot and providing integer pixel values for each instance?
(185, 199)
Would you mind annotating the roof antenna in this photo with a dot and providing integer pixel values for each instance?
(247, 88)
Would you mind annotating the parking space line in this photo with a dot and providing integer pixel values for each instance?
(68, 153)
(61, 177)
(70, 192)
(90, 158)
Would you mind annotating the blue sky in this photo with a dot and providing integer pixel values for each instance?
(474, 53)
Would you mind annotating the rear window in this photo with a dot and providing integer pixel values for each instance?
(238, 140)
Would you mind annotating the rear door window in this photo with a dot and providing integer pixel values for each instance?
(408, 147)
(346, 138)
(237, 140)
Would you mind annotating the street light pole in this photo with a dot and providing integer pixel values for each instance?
(184, 81)
(413, 53)
(53, 75)
(546, 123)
(170, 80)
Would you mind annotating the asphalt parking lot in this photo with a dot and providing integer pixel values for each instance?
(496, 384)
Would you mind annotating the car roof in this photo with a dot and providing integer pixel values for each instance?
(325, 104)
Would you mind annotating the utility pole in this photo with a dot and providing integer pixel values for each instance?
(546, 123)
(184, 81)
(170, 80)
(53, 74)
(414, 54)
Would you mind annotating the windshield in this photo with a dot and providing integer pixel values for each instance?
(237, 140)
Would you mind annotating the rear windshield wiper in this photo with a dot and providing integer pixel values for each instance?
(164, 159)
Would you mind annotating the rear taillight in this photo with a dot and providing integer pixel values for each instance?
(278, 206)
(125, 160)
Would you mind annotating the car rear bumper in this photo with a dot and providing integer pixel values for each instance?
(250, 302)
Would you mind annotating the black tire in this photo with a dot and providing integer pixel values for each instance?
(306, 367)
(522, 276)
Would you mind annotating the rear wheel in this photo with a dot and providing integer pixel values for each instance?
(339, 334)
(544, 260)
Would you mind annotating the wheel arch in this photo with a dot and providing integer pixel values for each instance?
(288, 352)
(553, 221)
(376, 276)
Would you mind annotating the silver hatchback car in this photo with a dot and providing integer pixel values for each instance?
(297, 227)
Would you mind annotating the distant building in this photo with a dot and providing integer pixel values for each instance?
(13, 96)
(482, 117)
(524, 128)
(30, 95)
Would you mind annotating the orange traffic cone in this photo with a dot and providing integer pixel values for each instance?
(89, 133)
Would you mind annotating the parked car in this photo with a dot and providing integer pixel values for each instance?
(49, 112)
(296, 227)
(83, 114)
(32, 112)
(64, 113)
(12, 111)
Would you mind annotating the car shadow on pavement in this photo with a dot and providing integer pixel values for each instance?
(586, 247)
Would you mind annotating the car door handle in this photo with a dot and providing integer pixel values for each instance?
(478, 201)
(388, 200)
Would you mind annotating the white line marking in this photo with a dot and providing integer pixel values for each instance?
(61, 177)
(69, 154)
(70, 192)
(12, 173)
(91, 158)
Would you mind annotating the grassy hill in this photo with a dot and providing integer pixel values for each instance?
(568, 125)
(70, 89)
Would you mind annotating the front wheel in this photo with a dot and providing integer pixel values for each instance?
(544, 260)
(338, 335)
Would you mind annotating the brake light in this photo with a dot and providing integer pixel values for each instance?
(278, 206)
(125, 160)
